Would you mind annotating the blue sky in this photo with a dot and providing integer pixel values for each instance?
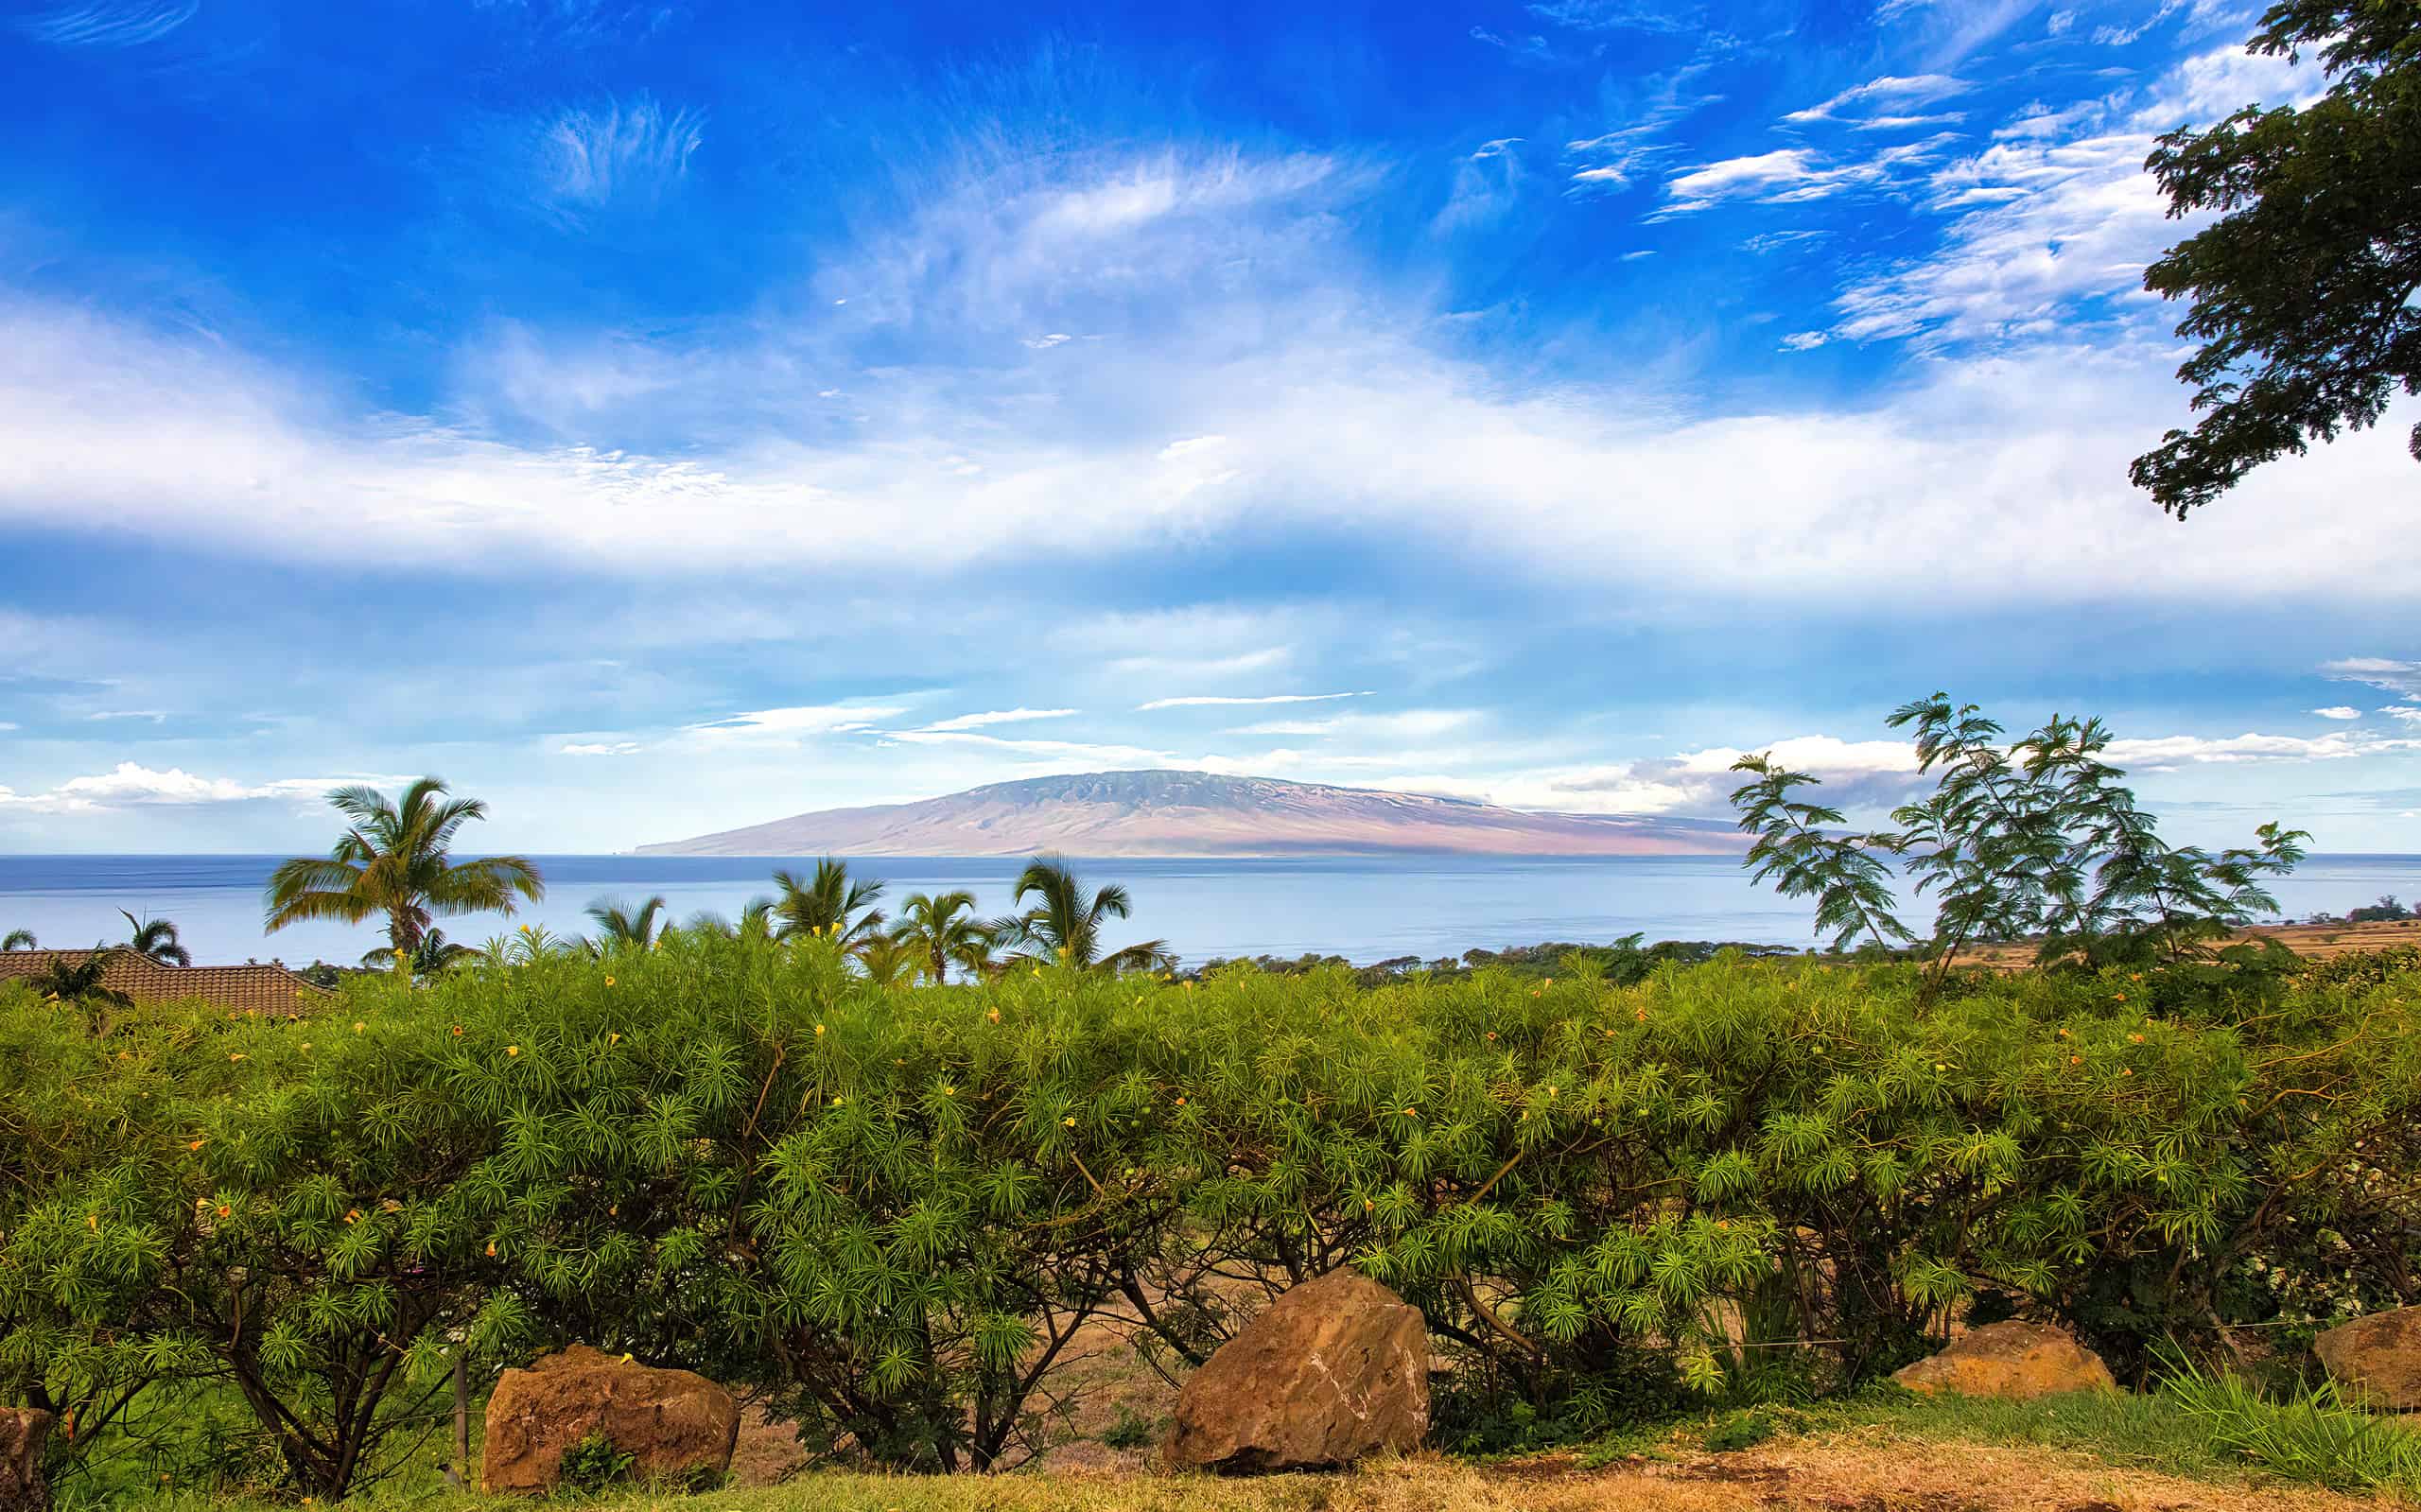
(657, 417)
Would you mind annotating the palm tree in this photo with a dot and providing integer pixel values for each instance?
(394, 860)
(944, 930)
(618, 929)
(890, 961)
(1065, 925)
(828, 904)
(19, 940)
(155, 940)
(436, 952)
(73, 980)
(755, 922)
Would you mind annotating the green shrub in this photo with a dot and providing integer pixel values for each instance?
(1740, 1429)
(1132, 1430)
(593, 1463)
(887, 1211)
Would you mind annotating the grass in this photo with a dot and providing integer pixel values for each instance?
(2241, 1452)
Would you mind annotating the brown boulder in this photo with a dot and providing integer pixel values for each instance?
(2011, 1358)
(23, 1432)
(1335, 1369)
(2377, 1359)
(673, 1423)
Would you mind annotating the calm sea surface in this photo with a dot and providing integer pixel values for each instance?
(1362, 908)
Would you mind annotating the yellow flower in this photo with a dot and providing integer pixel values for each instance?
(613, 1039)
(819, 1029)
(1069, 1122)
(237, 1055)
(359, 1026)
(609, 982)
(306, 1047)
(513, 1049)
(837, 1100)
(948, 1091)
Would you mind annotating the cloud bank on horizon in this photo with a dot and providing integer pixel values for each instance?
(656, 418)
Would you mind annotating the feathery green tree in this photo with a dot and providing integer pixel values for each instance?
(19, 940)
(2037, 840)
(395, 860)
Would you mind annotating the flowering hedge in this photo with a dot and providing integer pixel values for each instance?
(889, 1210)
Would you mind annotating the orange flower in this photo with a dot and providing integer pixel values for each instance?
(236, 1056)
(2134, 1039)
(1181, 1102)
(491, 1249)
(359, 1026)
(458, 1031)
(1491, 1033)
(2076, 1060)
(224, 1210)
(353, 1215)
(994, 1016)
(1412, 1113)
(196, 1145)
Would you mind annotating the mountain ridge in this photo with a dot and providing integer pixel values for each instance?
(1178, 813)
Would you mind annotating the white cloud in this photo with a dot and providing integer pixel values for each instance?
(1909, 122)
(109, 23)
(2339, 712)
(1410, 724)
(1889, 90)
(2058, 213)
(796, 721)
(1216, 700)
(1487, 183)
(1054, 750)
(2382, 673)
(131, 785)
(2409, 713)
(2167, 751)
(971, 721)
(614, 154)
(154, 716)
(599, 748)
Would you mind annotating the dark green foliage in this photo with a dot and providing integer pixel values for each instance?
(1132, 1430)
(2302, 290)
(2386, 910)
(594, 1464)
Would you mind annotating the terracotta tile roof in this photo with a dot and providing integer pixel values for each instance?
(251, 988)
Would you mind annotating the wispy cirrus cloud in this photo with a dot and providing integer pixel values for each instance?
(796, 721)
(2383, 672)
(109, 23)
(1891, 89)
(2339, 712)
(1619, 15)
(977, 721)
(592, 156)
(599, 748)
(1226, 701)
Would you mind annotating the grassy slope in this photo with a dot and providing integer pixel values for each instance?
(1881, 1450)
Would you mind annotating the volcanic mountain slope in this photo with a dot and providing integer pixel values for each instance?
(1197, 813)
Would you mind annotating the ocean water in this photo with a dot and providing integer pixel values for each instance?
(1365, 909)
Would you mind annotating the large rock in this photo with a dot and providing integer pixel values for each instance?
(673, 1423)
(2377, 1359)
(2011, 1358)
(23, 1432)
(1335, 1369)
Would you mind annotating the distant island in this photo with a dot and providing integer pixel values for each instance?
(1198, 813)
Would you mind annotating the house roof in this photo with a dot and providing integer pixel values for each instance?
(247, 989)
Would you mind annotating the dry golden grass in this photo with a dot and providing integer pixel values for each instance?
(2315, 941)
